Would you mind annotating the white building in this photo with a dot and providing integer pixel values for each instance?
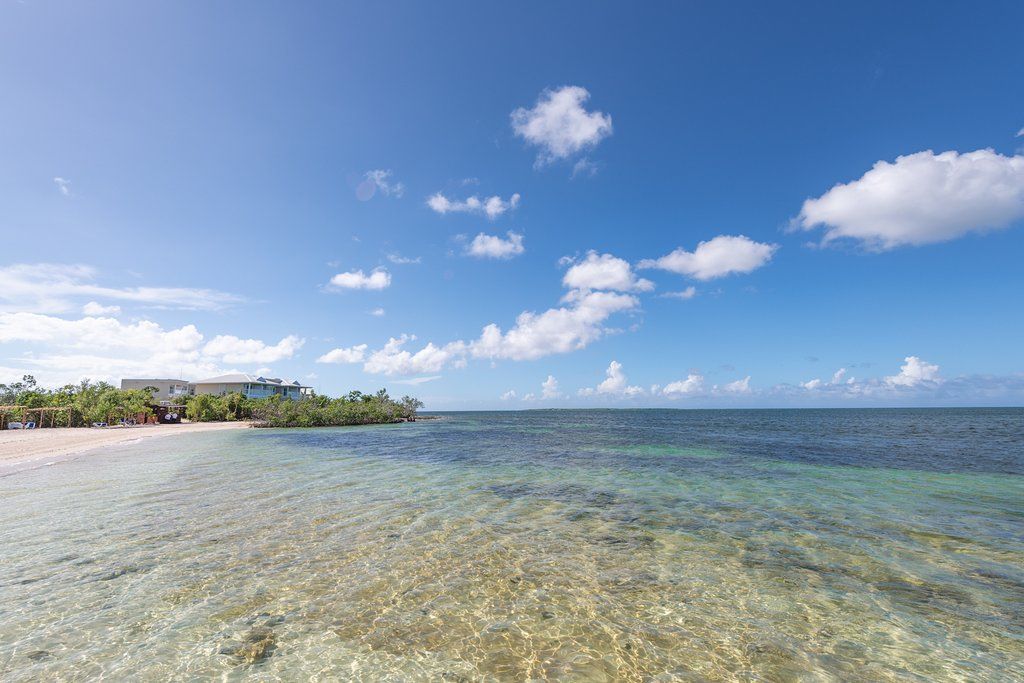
(165, 391)
(175, 391)
(252, 386)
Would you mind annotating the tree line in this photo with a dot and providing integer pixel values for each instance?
(86, 403)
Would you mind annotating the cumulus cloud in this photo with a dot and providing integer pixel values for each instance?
(379, 180)
(102, 348)
(556, 330)
(838, 378)
(393, 359)
(920, 199)
(559, 125)
(379, 278)
(740, 386)
(508, 395)
(492, 246)
(97, 309)
(604, 271)
(717, 257)
(231, 349)
(351, 354)
(55, 288)
(914, 372)
(693, 384)
(378, 312)
(578, 321)
(614, 384)
(549, 388)
(492, 207)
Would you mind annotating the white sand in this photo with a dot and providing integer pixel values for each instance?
(18, 446)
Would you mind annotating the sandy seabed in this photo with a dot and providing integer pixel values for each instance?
(20, 446)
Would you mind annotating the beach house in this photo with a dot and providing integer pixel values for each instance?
(175, 391)
(252, 386)
(165, 391)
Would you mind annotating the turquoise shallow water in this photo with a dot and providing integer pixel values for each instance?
(572, 545)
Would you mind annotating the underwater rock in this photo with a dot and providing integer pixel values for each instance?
(256, 645)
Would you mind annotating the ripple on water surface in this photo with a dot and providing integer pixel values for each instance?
(578, 545)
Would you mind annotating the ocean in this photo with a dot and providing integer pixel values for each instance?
(634, 545)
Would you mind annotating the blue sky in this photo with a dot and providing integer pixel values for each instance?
(181, 183)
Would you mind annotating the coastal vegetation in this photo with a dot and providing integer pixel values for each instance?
(356, 408)
(87, 403)
(73, 405)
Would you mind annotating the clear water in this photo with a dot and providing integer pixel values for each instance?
(576, 545)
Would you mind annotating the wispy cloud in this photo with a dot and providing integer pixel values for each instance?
(379, 180)
(416, 381)
(400, 260)
(56, 288)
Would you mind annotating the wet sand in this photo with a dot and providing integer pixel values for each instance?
(19, 446)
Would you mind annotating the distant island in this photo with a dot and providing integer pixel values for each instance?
(25, 404)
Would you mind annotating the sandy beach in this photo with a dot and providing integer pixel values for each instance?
(18, 446)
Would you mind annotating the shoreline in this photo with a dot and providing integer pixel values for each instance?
(25, 446)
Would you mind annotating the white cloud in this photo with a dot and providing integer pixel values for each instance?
(378, 312)
(549, 388)
(230, 349)
(614, 384)
(54, 288)
(492, 246)
(352, 354)
(584, 167)
(379, 180)
(693, 384)
(914, 372)
(579, 321)
(1020, 133)
(96, 309)
(492, 207)
(838, 378)
(740, 386)
(416, 381)
(687, 293)
(379, 278)
(100, 348)
(556, 330)
(717, 257)
(63, 185)
(920, 199)
(395, 360)
(400, 260)
(604, 271)
(559, 124)
(508, 395)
